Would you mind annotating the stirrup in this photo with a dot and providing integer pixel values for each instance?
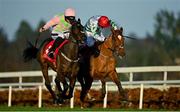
(51, 54)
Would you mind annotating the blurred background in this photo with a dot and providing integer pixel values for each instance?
(155, 24)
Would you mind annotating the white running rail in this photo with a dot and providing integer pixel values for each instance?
(129, 71)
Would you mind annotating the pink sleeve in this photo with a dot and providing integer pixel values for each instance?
(52, 22)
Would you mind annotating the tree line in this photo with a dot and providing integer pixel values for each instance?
(156, 49)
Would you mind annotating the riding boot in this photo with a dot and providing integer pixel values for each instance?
(96, 51)
(57, 42)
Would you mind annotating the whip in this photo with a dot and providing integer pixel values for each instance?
(130, 37)
(39, 34)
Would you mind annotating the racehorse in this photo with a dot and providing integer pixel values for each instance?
(103, 66)
(65, 64)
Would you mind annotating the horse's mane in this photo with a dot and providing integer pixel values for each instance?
(108, 38)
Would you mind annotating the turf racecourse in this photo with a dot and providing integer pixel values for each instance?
(66, 109)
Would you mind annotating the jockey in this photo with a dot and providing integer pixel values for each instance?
(94, 31)
(60, 24)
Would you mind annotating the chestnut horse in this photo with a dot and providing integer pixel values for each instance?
(103, 66)
(66, 65)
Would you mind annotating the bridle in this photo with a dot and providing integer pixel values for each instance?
(114, 47)
(72, 38)
(77, 37)
(118, 47)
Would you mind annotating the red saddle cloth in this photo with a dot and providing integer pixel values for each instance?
(48, 46)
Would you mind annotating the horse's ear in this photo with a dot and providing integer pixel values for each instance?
(121, 28)
(79, 20)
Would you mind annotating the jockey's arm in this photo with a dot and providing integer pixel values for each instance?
(113, 25)
(52, 22)
(95, 36)
(99, 37)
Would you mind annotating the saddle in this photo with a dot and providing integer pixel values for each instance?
(48, 46)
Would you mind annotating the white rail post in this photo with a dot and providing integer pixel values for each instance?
(141, 96)
(40, 97)
(20, 82)
(165, 79)
(72, 101)
(130, 79)
(105, 97)
(10, 96)
(43, 81)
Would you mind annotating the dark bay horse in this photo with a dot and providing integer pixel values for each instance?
(102, 66)
(66, 64)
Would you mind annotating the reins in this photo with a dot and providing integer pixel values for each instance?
(130, 37)
(106, 46)
(113, 47)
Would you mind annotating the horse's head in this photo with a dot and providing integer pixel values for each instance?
(118, 42)
(77, 31)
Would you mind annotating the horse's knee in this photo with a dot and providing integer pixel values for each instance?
(57, 80)
(66, 86)
(48, 86)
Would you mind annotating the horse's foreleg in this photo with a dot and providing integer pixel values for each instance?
(115, 79)
(71, 87)
(81, 81)
(88, 82)
(83, 86)
(55, 98)
(103, 88)
(57, 81)
(48, 84)
(65, 84)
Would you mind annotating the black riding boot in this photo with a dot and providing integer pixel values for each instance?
(57, 42)
(95, 50)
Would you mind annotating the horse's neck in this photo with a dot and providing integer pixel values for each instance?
(71, 50)
(106, 47)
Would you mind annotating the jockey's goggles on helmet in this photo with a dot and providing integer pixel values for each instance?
(70, 18)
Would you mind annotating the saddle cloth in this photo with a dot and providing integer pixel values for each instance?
(48, 46)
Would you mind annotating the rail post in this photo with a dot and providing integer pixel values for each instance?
(105, 97)
(141, 96)
(130, 79)
(40, 97)
(165, 79)
(72, 101)
(10, 96)
(20, 82)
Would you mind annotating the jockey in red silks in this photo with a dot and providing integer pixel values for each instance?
(60, 24)
(95, 30)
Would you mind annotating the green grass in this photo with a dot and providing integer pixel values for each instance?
(29, 108)
(58, 108)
